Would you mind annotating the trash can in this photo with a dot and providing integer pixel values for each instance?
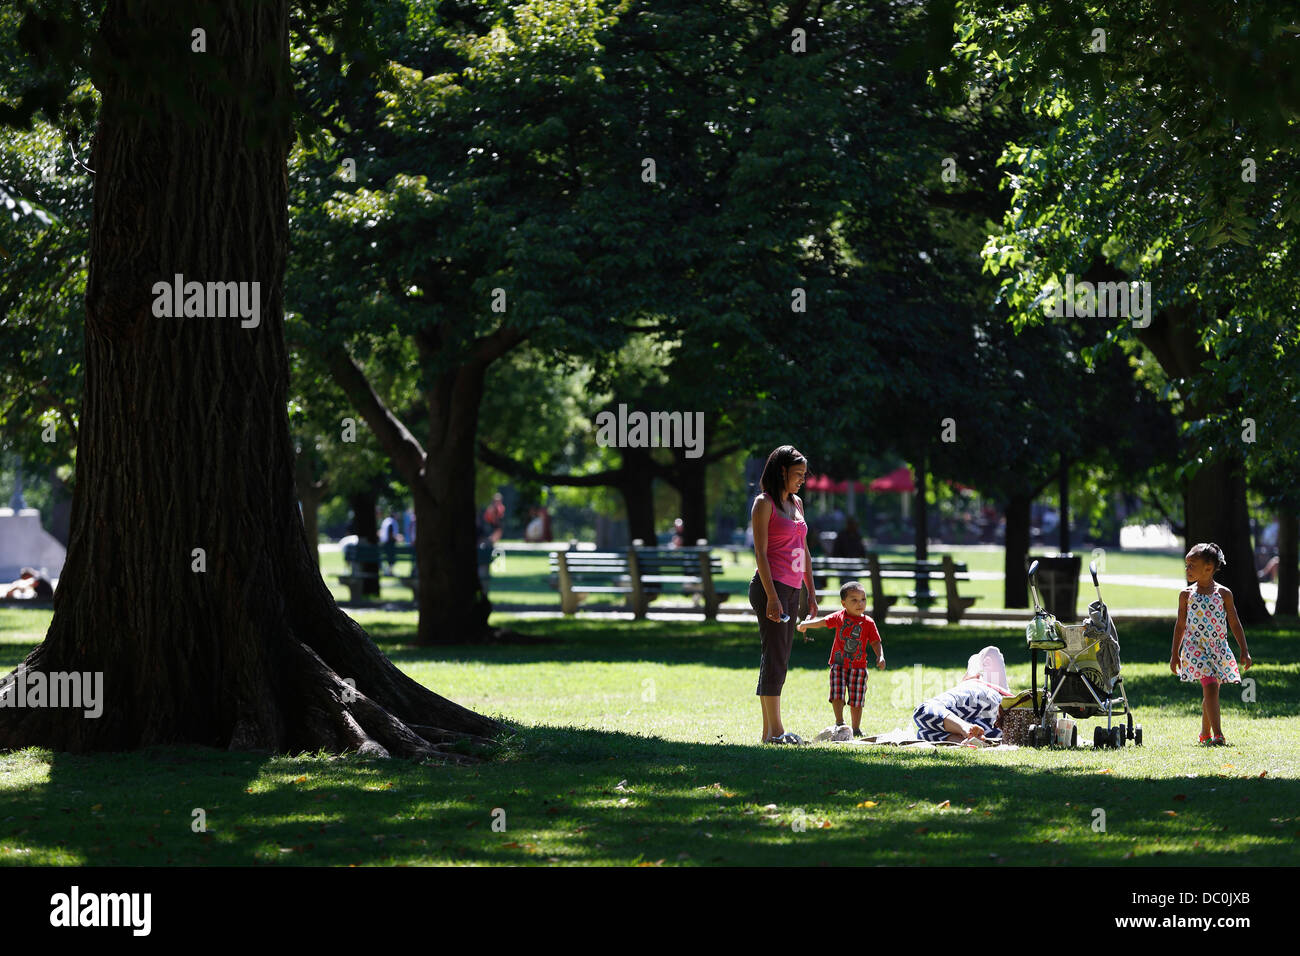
(1058, 584)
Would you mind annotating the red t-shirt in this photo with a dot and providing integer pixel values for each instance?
(852, 635)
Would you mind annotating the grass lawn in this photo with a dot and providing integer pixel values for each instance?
(636, 745)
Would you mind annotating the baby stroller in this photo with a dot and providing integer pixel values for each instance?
(1081, 675)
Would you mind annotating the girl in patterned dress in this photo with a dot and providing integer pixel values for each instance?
(1200, 651)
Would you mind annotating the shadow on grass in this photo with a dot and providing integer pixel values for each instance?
(558, 794)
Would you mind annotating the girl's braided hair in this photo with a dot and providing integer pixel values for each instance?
(1211, 552)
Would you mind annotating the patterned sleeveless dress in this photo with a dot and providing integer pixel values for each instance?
(1205, 651)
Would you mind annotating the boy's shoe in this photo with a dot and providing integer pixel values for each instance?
(1218, 741)
(858, 733)
(1205, 740)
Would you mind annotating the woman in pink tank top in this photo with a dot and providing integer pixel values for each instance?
(783, 567)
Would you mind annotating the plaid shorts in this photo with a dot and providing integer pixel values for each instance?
(852, 678)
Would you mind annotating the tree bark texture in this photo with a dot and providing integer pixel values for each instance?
(184, 439)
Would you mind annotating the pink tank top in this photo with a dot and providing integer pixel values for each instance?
(785, 540)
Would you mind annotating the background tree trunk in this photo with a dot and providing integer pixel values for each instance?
(921, 526)
(310, 493)
(691, 474)
(1063, 495)
(1216, 511)
(184, 438)
(1288, 556)
(635, 483)
(1015, 587)
(365, 526)
(453, 605)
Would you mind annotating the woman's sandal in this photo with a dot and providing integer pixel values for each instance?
(788, 738)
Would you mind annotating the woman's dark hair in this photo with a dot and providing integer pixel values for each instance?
(773, 480)
(1209, 552)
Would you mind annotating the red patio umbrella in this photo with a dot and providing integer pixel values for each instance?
(900, 479)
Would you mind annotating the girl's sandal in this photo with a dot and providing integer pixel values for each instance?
(1218, 741)
(1205, 740)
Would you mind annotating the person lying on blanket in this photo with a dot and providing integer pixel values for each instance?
(971, 709)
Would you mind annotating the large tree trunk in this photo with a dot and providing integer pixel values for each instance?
(184, 439)
(1015, 586)
(1216, 511)
(1288, 556)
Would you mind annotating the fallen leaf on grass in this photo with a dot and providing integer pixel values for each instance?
(1171, 813)
(940, 806)
(868, 804)
(1180, 796)
(717, 787)
(921, 830)
(826, 824)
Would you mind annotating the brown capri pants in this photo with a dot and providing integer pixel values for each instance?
(774, 636)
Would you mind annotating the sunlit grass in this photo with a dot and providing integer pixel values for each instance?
(636, 744)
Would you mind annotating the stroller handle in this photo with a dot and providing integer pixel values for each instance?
(1032, 568)
(1092, 566)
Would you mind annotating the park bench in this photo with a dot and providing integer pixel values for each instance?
(921, 571)
(641, 574)
(878, 571)
(363, 553)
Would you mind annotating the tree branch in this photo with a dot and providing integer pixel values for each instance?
(519, 470)
(497, 343)
(403, 449)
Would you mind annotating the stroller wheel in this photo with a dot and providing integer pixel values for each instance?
(1074, 737)
(1099, 738)
(1130, 721)
(1031, 738)
(1137, 736)
(1117, 737)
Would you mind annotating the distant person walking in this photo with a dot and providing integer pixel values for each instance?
(494, 517)
(783, 566)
